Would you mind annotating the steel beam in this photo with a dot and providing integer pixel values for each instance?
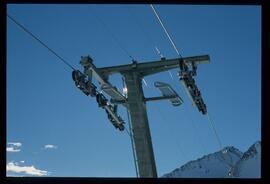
(158, 98)
(152, 67)
(140, 126)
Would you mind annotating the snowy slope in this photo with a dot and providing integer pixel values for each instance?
(249, 166)
(229, 162)
(214, 165)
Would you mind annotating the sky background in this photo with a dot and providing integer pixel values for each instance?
(62, 132)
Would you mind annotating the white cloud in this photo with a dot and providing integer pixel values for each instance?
(50, 146)
(12, 149)
(30, 170)
(14, 146)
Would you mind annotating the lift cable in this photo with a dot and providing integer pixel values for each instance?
(179, 146)
(214, 129)
(164, 28)
(198, 137)
(175, 48)
(172, 42)
(41, 42)
(132, 145)
(128, 132)
(113, 36)
(139, 25)
(193, 122)
(219, 142)
(146, 34)
(230, 163)
(116, 40)
(45, 45)
(161, 56)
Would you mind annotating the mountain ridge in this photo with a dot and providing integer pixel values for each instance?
(228, 162)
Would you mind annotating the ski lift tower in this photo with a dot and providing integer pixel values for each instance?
(135, 102)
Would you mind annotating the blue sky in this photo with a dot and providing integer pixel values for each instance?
(45, 108)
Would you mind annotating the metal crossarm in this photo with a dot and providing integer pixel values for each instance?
(152, 67)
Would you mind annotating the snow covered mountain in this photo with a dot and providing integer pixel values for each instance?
(229, 162)
(249, 166)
